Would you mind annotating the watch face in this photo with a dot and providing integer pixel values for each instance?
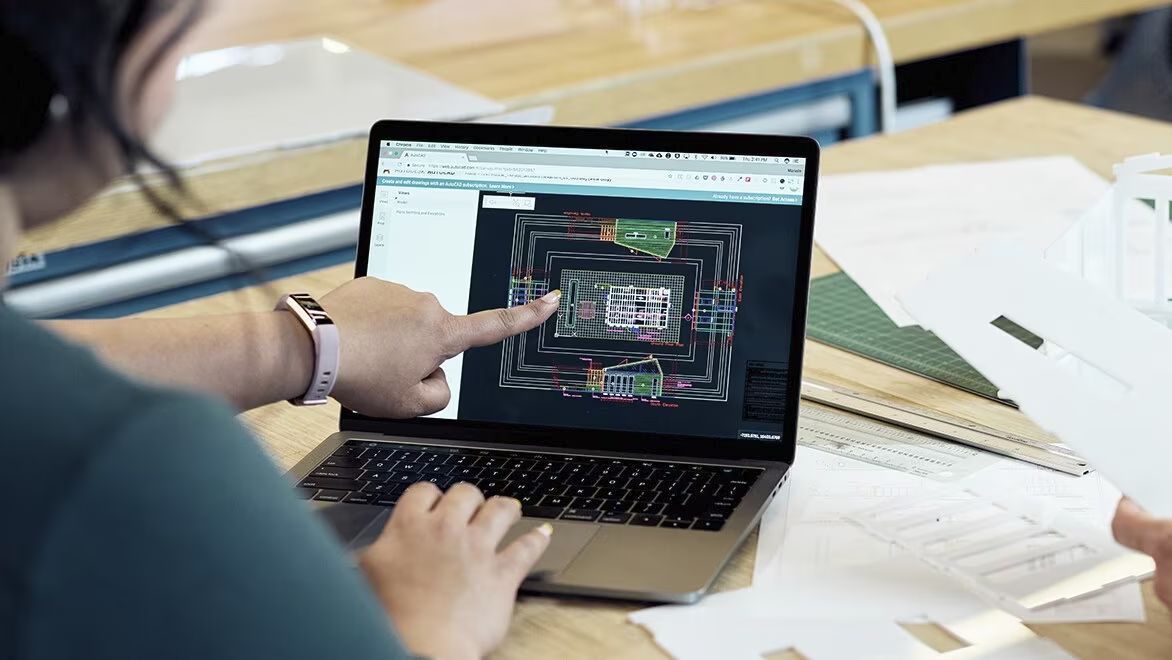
(309, 304)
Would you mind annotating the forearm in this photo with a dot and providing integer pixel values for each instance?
(247, 359)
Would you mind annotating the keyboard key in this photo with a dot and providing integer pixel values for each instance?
(410, 466)
(330, 496)
(304, 493)
(645, 471)
(550, 489)
(344, 462)
(646, 520)
(615, 518)
(610, 493)
(556, 500)
(496, 473)
(491, 462)
(441, 481)
(377, 477)
(541, 511)
(709, 525)
(551, 478)
(431, 457)
(436, 468)
(463, 460)
(398, 477)
(380, 488)
(336, 472)
(549, 466)
(669, 475)
(522, 465)
(581, 480)
(517, 488)
(581, 491)
(409, 456)
(676, 524)
(724, 504)
(490, 488)
(646, 507)
(527, 499)
(616, 506)
(583, 515)
(587, 503)
(612, 470)
(360, 498)
(349, 450)
(464, 472)
(715, 515)
(524, 475)
(388, 500)
(376, 453)
(613, 482)
(640, 496)
(705, 489)
(381, 466)
(331, 484)
(643, 484)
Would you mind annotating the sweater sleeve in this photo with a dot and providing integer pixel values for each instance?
(181, 540)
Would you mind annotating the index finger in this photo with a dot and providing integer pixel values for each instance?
(495, 325)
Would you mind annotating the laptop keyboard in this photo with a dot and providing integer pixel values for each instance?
(562, 486)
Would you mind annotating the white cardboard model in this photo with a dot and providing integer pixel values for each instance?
(1121, 243)
(1118, 421)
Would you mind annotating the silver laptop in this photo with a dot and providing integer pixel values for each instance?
(653, 418)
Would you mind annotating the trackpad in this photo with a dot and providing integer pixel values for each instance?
(567, 541)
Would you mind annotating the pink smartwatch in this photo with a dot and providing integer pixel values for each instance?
(325, 346)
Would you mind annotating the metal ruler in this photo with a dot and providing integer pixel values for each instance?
(889, 446)
(947, 427)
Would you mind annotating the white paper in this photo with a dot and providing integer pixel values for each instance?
(1112, 413)
(888, 230)
(251, 99)
(1002, 549)
(804, 530)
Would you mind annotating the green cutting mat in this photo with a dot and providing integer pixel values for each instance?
(842, 315)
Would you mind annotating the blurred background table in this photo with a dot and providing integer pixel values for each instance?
(773, 66)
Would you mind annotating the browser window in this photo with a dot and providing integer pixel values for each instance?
(677, 273)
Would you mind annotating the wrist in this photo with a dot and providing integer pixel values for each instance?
(428, 642)
(319, 326)
(298, 356)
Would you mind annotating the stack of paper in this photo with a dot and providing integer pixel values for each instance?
(888, 230)
(824, 585)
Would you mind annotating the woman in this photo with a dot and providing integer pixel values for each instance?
(144, 523)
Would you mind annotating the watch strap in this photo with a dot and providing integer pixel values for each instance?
(326, 346)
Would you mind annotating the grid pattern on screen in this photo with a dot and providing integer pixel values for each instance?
(842, 315)
(623, 306)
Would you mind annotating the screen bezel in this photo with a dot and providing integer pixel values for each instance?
(616, 139)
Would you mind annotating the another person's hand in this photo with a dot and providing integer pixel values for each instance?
(436, 569)
(1139, 530)
(395, 339)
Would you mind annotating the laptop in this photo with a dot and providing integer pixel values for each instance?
(654, 416)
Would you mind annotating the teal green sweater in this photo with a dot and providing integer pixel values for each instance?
(144, 523)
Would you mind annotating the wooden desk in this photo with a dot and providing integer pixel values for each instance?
(547, 628)
(599, 65)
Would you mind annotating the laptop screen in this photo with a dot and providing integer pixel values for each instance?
(678, 272)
